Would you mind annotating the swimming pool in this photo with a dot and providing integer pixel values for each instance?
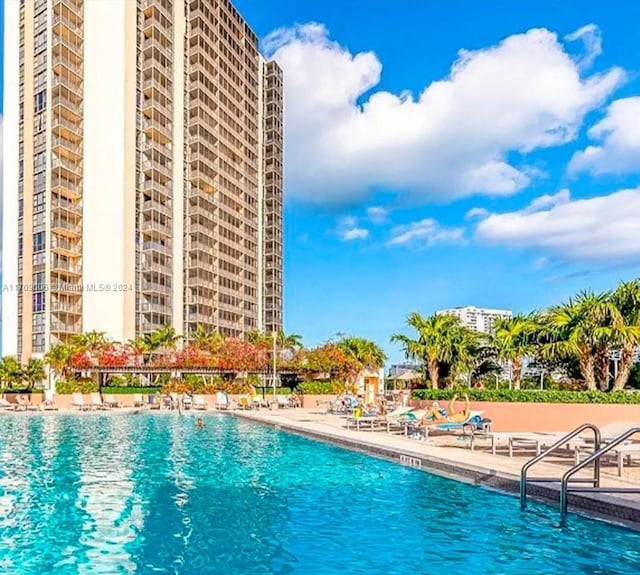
(101, 494)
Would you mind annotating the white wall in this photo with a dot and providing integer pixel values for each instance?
(10, 178)
(104, 166)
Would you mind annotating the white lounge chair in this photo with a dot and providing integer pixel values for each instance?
(110, 401)
(199, 402)
(222, 400)
(137, 400)
(78, 402)
(96, 401)
(6, 405)
(48, 403)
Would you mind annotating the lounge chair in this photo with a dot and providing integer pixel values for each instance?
(244, 402)
(518, 440)
(137, 400)
(199, 402)
(6, 405)
(25, 403)
(48, 404)
(110, 401)
(78, 402)
(96, 402)
(154, 401)
(222, 400)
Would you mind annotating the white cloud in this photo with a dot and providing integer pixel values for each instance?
(377, 214)
(354, 234)
(475, 213)
(450, 141)
(592, 40)
(619, 134)
(348, 229)
(424, 233)
(603, 229)
(548, 201)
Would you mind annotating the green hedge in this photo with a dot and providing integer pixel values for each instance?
(530, 396)
(319, 388)
(16, 390)
(130, 390)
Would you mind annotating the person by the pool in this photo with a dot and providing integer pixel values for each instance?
(199, 422)
(436, 414)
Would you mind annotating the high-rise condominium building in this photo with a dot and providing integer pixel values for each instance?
(142, 171)
(478, 318)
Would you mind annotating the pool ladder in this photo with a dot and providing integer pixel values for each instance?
(589, 485)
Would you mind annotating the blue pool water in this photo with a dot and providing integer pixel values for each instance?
(155, 494)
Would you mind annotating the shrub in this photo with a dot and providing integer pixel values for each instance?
(530, 396)
(324, 387)
(131, 390)
(76, 386)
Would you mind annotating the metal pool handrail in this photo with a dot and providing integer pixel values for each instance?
(597, 439)
(594, 458)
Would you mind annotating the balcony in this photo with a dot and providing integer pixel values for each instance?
(66, 247)
(65, 227)
(63, 206)
(66, 306)
(197, 228)
(71, 111)
(71, 189)
(147, 307)
(66, 328)
(151, 265)
(152, 85)
(157, 131)
(67, 129)
(66, 148)
(151, 286)
(63, 25)
(65, 267)
(154, 206)
(64, 66)
(62, 163)
(151, 186)
(149, 167)
(63, 81)
(156, 228)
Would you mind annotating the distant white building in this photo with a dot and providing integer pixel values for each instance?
(478, 318)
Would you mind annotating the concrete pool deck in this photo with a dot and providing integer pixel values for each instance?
(450, 456)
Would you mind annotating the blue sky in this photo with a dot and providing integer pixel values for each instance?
(510, 257)
(419, 176)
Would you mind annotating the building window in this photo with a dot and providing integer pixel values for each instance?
(40, 100)
(38, 302)
(38, 242)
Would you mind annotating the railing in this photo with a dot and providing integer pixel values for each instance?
(597, 439)
(595, 459)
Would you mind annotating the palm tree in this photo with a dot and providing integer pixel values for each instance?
(206, 340)
(434, 345)
(11, 371)
(582, 328)
(59, 359)
(291, 341)
(92, 342)
(34, 372)
(513, 340)
(626, 298)
(366, 352)
(162, 338)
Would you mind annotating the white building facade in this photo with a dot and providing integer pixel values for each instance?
(478, 318)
